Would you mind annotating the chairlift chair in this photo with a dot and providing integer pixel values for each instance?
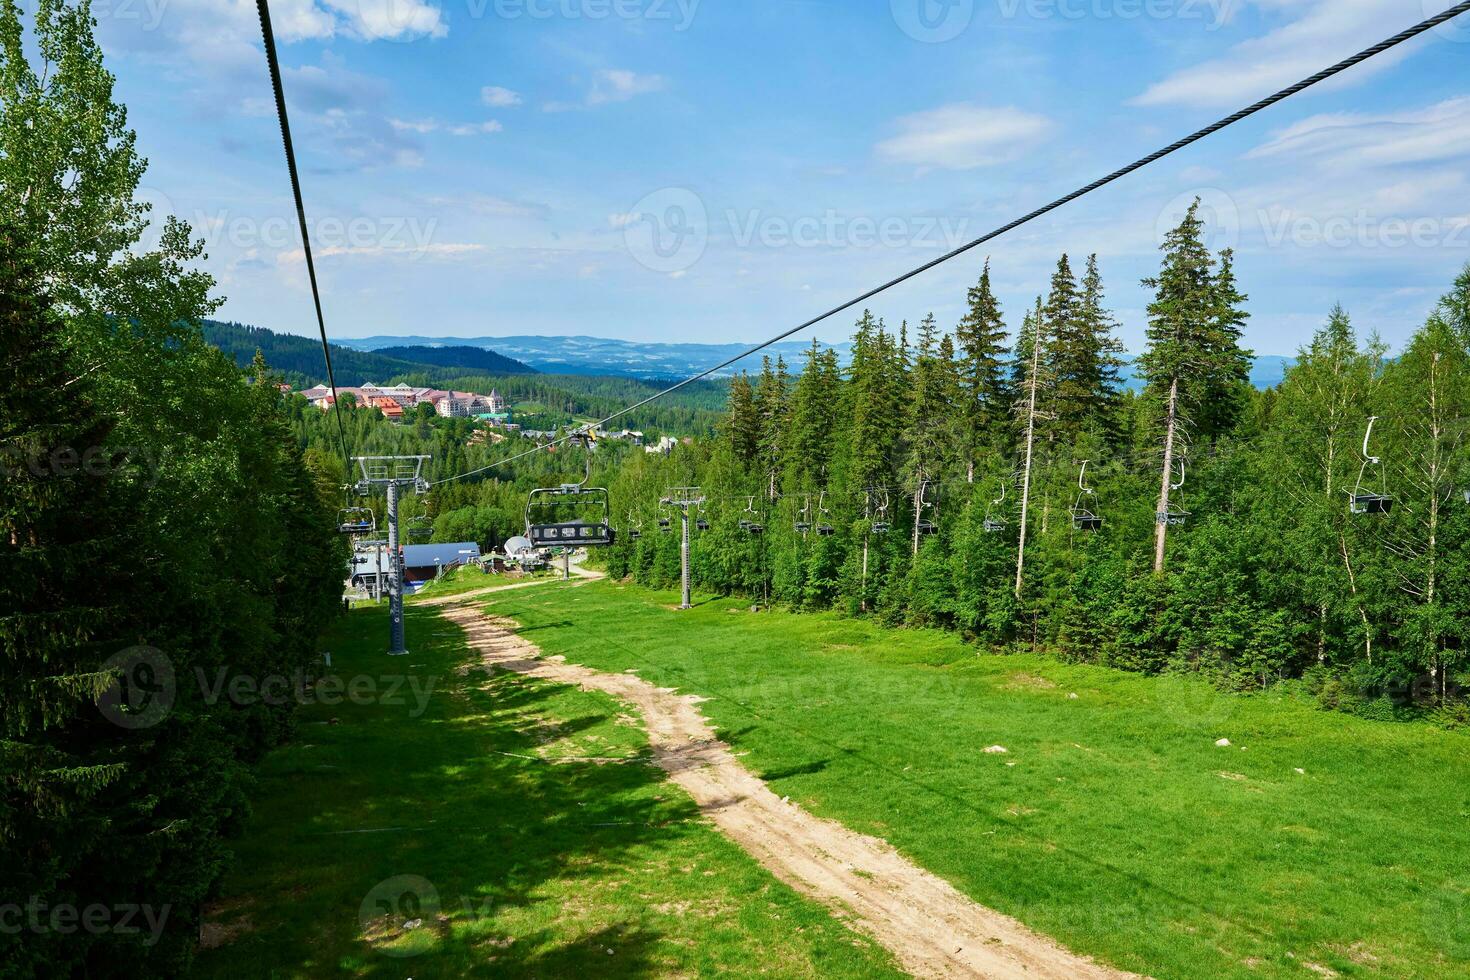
(1169, 516)
(804, 526)
(1084, 519)
(419, 528)
(356, 520)
(824, 529)
(591, 525)
(751, 525)
(1363, 501)
(701, 524)
(995, 525)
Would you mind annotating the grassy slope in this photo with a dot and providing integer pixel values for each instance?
(1113, 823)
(545, 870)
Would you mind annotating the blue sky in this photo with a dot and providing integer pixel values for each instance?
(719, 170)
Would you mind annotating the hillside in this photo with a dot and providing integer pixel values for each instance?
(478, 360)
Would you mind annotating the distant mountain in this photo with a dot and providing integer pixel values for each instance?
(469, 359)
(602, 356)
(1268, 371)
(299, 359)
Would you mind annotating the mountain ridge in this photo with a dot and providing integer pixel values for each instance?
(607, 356)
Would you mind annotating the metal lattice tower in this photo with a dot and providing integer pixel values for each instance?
(393, 473)
(684, 498)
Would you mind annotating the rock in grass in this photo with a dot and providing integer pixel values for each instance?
(996, 750)
(1223, 743)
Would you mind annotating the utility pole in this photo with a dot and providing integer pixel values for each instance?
(684, 498)
(393, 473)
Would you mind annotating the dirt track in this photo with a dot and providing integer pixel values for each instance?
(931, 929)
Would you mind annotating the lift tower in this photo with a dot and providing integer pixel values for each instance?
(393, 474)
(684, 498)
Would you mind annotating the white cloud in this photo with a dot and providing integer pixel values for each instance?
(623, 220)
(1437, 133)
(611, 85)
(476, 129)
(963, 136)
(620, 85)
(499, 98)
(1324, 31)
(413, 125)
(441, 250)
(392, 20)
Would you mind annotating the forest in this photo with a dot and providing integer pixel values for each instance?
(1001, 483)
(159, 523)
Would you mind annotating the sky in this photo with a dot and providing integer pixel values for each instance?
(721, 170)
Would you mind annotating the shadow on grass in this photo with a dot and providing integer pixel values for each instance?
(449, 817)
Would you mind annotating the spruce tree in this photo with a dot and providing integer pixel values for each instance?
(979, 340)
(742, 428)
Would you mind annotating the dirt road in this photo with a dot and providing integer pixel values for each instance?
(931, 929)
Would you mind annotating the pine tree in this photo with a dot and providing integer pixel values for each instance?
(1084, 358)
(979, 341)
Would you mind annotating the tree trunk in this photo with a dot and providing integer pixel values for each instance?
(1161, 530)
(1030, 448)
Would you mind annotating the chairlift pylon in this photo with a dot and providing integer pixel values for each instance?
(1083, 519)
(1366, 501)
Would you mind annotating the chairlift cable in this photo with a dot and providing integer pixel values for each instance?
(269, 37)
(1235, 117)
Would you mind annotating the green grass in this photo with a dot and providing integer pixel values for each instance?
(1113, 823)
(553, 846)
(470, 578)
